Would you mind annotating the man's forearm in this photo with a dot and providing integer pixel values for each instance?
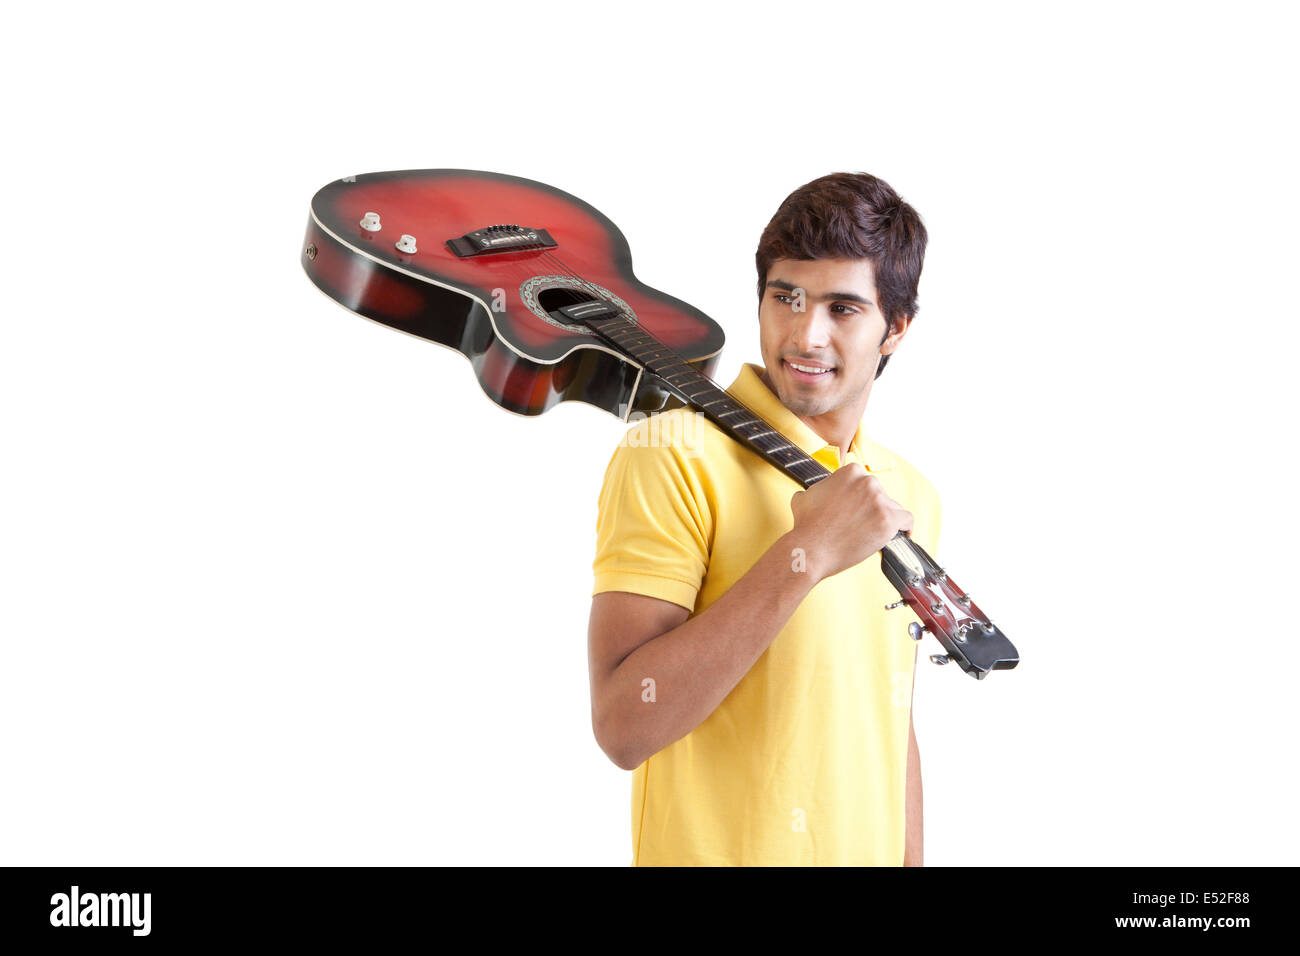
(696, 664)
(912, 853)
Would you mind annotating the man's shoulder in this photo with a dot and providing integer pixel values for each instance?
(886, 460)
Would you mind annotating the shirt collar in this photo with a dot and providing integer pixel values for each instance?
(749, 390)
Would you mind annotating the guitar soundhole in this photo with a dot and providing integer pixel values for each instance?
(552, 299)
(542, 295)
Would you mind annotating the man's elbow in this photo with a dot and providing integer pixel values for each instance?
(616, 746)
(623, 760)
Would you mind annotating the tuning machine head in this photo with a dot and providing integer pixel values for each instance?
(965, 633)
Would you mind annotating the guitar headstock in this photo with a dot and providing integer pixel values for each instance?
(945, 610)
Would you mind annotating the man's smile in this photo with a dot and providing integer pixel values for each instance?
(803, 370)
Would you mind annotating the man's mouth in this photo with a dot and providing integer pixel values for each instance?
(802, 371)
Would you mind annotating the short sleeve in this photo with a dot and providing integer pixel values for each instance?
(653, 525)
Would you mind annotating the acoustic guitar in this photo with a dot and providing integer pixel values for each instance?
(535, 287)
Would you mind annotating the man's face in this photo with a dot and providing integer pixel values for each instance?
(839, 328)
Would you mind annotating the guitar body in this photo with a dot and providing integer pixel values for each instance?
(498, 309)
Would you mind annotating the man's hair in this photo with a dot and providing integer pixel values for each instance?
(851, 216)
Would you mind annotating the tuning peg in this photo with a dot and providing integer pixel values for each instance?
(917, 631)
(899, 603)
(939, 659)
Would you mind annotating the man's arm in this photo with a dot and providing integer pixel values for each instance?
(693, 663)
(912, 852)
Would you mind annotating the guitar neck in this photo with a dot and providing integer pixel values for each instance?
(715, 403)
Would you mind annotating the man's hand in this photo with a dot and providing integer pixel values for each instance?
(845, 519)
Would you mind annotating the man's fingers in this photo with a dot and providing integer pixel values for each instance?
(905, 520)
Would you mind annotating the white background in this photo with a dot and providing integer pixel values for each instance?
(281, 585)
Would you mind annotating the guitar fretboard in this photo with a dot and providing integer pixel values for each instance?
(717, 404)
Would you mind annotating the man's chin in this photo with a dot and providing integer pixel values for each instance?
(794, 397)
(807, 407)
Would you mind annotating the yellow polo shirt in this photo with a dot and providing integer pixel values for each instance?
(805, 761)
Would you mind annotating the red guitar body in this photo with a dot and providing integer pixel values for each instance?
(497, 309)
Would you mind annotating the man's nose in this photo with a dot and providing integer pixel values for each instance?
(811, 329)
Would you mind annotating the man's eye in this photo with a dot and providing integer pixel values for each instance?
(781, 297)
(847, 309)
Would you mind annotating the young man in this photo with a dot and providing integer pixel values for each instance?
(742, 660)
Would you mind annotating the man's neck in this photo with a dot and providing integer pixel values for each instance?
(834, 433)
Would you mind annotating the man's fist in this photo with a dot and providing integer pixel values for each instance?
(845, 519)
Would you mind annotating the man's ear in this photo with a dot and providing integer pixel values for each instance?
(895, 335)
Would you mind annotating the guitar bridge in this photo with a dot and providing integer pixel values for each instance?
(501, 238)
